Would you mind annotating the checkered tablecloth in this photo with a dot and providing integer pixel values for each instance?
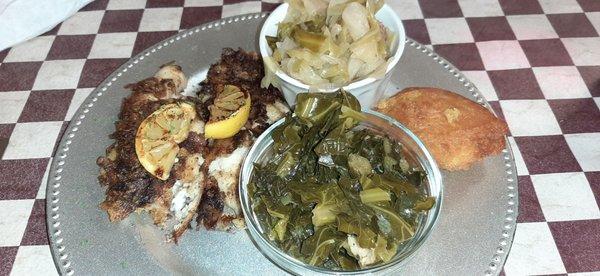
(537, 62)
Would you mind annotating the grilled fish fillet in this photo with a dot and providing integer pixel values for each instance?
(220, 207)
(172, 203)
(204, 179)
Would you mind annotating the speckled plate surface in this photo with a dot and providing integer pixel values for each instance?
(472, 237)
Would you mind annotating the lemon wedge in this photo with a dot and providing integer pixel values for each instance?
(228, 113)
(158, 136)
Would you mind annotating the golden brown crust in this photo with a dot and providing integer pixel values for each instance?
(457, 131)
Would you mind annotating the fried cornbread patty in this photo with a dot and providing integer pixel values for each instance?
(457, 131)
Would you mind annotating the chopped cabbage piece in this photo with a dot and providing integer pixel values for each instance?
(331, 43)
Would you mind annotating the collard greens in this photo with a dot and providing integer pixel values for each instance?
(332, 194)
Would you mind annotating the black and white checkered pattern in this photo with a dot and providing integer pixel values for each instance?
(536, 61)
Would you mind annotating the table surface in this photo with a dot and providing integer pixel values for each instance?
(536, 62)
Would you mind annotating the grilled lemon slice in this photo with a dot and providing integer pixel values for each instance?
(228, 113)
(158, 136)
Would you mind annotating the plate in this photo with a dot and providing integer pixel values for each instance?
(473, 234)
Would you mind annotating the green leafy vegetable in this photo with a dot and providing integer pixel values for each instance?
(314, 107)
(374, 195)
(330, 203)
(319, 245)
(341, 260)
(309, 40)
(424, 205)
(359, 227)
(391, 224)
(271, 41)
(278, 230)
(382, 252)
(331, 188)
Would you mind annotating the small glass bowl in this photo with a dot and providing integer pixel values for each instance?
(417, 156)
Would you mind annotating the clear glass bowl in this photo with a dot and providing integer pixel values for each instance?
(415, 153)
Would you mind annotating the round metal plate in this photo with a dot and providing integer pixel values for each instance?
(472, 237)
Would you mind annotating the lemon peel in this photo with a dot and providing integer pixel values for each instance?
(231, 125)
(158, 136)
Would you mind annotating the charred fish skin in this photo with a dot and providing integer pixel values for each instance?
(129, 186)
(203, 181)
(219, 207)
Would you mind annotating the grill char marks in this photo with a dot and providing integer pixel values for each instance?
(211, 205)
(236, 67)
(129, 185)
(195, 143)
(159, 88)
(213, 198)
(244, 70)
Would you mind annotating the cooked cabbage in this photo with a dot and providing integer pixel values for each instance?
(355, 17)
(330, 43)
